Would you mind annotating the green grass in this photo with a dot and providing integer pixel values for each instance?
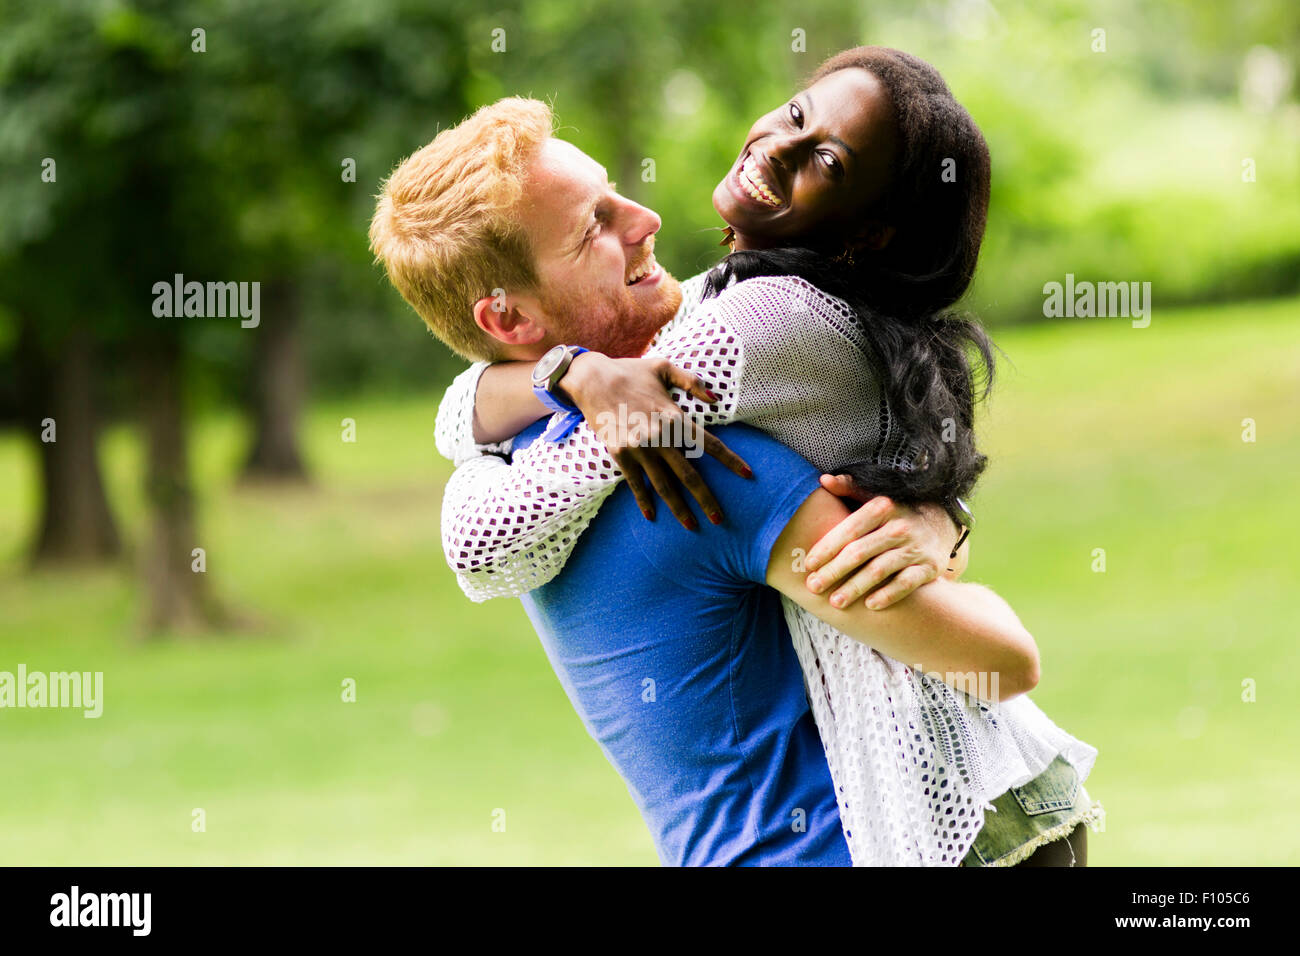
(1101, 436)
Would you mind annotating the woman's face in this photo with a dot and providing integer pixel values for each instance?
(810, 167)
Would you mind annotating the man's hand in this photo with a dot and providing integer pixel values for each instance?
(627, 403)
(882, 542)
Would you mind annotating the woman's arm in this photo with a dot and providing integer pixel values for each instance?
(882, 541)
(505, 404)
(611, 393)
(509, 528)
(946, 628)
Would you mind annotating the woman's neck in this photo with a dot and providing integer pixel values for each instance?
(742, 243)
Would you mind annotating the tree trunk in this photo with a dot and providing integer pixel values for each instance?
(76, 523)
(177, 593)
(278, 386)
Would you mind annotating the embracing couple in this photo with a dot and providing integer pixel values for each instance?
(801, 678)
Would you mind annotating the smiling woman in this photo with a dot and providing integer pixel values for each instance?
(859, 165)
(815, 166)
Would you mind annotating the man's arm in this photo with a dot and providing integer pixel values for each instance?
(506, 392)
(505, 404)
(883, 549)
(945, 627)
(880, 542)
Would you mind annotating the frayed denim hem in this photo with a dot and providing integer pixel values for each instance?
(1092, 816)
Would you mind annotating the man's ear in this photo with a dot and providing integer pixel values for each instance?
(508, 320)
(875, 237)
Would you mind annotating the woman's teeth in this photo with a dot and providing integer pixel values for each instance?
(643, 270)
(753, 182)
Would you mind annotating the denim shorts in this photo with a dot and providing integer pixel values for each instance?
(1046, 809)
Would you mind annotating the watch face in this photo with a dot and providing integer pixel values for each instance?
(547, 364)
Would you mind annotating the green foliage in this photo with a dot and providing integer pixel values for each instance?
(209, 139)
(1123, 164)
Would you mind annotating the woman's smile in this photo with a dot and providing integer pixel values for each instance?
(755, 181)
(811, 169)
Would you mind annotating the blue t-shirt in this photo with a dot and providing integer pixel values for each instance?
(677, 658)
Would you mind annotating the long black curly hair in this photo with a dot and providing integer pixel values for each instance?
(935, 363)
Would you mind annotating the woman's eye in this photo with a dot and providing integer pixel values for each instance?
(832, 164)
(796, 115)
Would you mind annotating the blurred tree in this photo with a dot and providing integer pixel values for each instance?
(300, 106)
(58, 389)
(202, 142)
(279, 384)
(52, 296)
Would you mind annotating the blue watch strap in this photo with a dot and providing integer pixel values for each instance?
(551, 401)
(560, 429)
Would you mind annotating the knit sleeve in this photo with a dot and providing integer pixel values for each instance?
(453, 430)
(692, 292)
(811, 375)
(509, 528)
(454, 427)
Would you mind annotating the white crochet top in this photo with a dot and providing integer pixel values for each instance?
(915, 763)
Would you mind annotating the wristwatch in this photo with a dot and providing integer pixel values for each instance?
(548, 371)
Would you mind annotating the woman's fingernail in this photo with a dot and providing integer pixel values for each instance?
(814, 583)
(650, 515)
(837, 600)
(716, 518)
(874, 604)
(747, 471)
(713, 396)
(692, 524)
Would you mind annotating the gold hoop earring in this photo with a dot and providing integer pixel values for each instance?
(729, 238)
